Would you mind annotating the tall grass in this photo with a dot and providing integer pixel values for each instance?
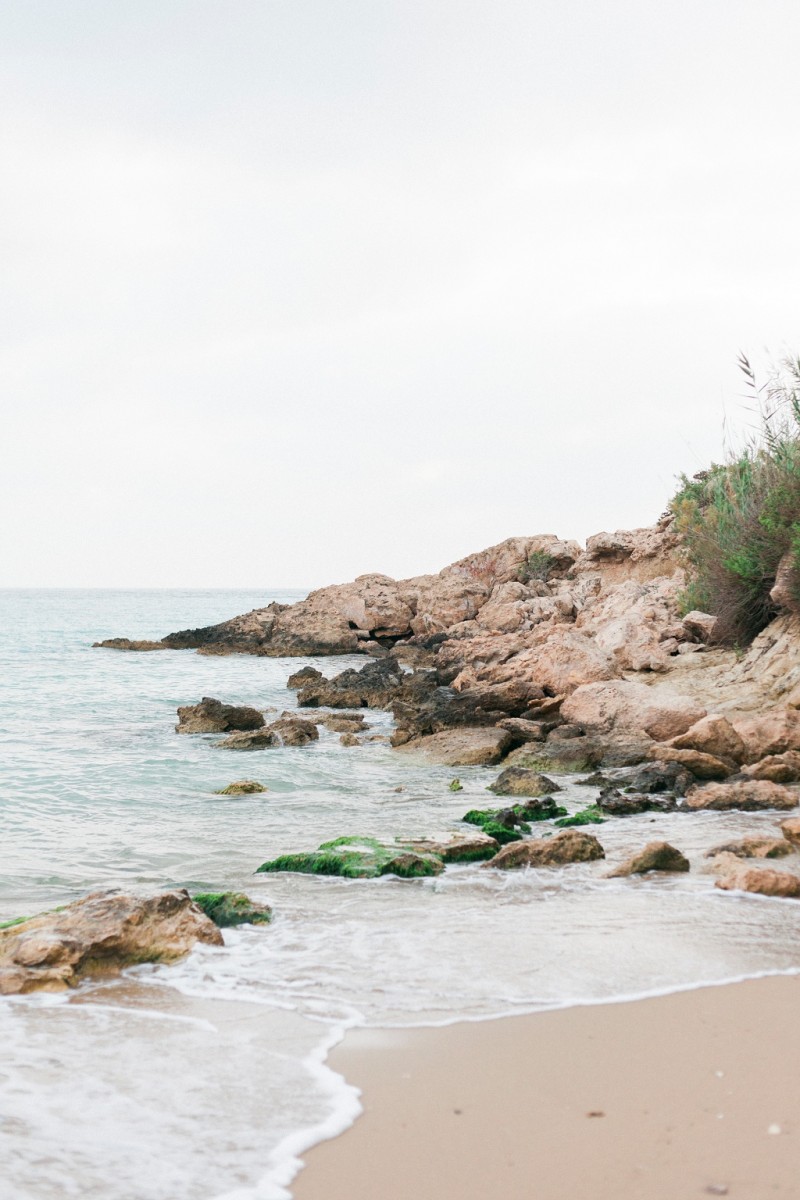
(739, 518)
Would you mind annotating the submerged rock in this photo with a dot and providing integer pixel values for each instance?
(359, 858)
(212, 716)
(753, 847)
(519, 781)
(656, 856)
(242, 787)
(128, 644)
(746, 794)
(571, 846)
(285, 732)
(232, 908)
(102, 932)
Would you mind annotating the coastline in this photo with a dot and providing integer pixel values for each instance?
(695, 1094)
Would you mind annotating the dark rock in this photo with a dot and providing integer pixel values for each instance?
(628, 804)
(373, 686)
(286, 732)
(242, 787)
(128, 644)
(212, 716)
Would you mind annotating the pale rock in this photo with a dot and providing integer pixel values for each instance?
(753, 847)
(773, 732)
(762, 881)
(715, 735)
(779, 768)
(700, 625)
(749, 795)
(703, 766)
(472, 746)
(569, 846)
(656, 856)
(625, 707)
(790, 829)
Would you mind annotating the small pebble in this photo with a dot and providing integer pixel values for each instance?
(774, 1129)
(717, 1189)
(596, 1113)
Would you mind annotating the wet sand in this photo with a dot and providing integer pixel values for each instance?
(681, 1096)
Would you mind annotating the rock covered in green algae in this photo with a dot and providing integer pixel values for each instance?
(233, 908)
(359, 858)
(509, 824)
(585, 816)
(459, 847)
(242, 787)
(521, 781)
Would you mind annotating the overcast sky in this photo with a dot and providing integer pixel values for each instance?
(297, 289)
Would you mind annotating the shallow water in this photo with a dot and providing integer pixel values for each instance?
(203, 1079)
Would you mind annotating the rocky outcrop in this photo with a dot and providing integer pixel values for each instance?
(101, 933)
(630, 709)
(656, 856)
(713, 735)
(373, 686)
(571, 846)
(749, 795)
(291, 731)
(212, 716)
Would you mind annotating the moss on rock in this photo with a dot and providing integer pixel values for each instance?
(359, 858)
(233, 908)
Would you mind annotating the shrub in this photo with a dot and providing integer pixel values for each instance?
(538, 565)
(739, 518)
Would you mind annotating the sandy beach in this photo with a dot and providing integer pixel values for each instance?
(690, 1094)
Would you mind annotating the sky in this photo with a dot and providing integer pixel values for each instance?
(293, 290)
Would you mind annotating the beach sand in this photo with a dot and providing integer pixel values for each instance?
(688, 1095)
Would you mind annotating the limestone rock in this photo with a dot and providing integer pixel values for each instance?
(373, 686)
(753, 847)
(518, 781)
(748, 795)
(703, 766)
(227, 909)
(656, 856)
(778, 768)
(525, 731)
(773, 732)
(784, 593)
(212, 716)
(457, 847)
(291, 732)
(699, 625)
(102, 932)
(461, 747)
(761, 880)
(624, 707)
(791, 831)
(242, 787)
(714, 735)
(570, 846)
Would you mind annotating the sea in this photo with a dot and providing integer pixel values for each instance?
(207, 1079)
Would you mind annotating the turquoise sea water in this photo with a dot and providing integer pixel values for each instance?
(203, 1079)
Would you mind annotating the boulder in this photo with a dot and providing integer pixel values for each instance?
(713, 735)
(748, 795)
(461, 747)
(656, 777)
(700, 626)
(525, 731)
(656, 856)
(518, 781)
(457, 847)
(753, 847)
(102, 932)
(285, 732)
(242, 787)
(624, 707)
(349, 739)
(778, 768)
(571, 846)
(791, 831)
(702, 766)
(784, 593)
(373, 686)
(212, 716)
(618, 804)
(232, 908)
(763, 881)
(359, 858)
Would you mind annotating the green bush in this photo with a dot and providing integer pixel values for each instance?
(538, 565)
(738, 519)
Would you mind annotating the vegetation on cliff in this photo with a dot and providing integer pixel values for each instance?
(738, 520)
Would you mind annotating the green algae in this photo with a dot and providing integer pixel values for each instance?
(232, 908)
(508, 824)
(14, 921)
(587, 816)
(455, 785)
(358, 858)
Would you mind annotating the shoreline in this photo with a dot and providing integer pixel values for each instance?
(689, 1093)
